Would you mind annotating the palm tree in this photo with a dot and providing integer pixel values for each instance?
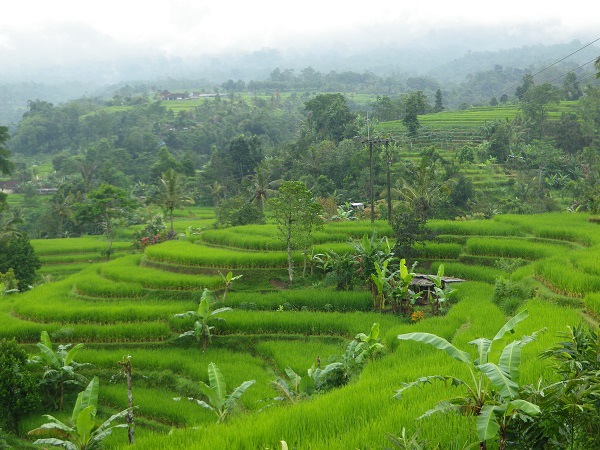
(8, 229)
(170, 193)
(88, 172)
(216, 190)
(259, 185)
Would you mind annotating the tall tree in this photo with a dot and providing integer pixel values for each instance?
(5, 165)
(535, 103)
(18, 387)
(18, 254)
(171, 194)
(330, 116)
(438, 101)
(527, 83)
(297, 214)
(415, 104)
(571, 89)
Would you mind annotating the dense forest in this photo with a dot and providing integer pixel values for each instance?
(231, 147)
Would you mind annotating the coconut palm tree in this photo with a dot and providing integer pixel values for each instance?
(171, 193)
(260, 186)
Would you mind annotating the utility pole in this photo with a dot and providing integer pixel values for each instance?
(378, 140)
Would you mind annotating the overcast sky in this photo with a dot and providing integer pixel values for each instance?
(62, 31)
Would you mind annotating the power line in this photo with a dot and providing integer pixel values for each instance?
(551, 65)
(572, 71)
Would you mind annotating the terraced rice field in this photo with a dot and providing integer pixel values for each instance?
(126, 307)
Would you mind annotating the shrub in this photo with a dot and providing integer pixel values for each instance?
(19, 393)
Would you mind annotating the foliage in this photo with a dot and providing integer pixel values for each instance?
(442, 292)
(6, 165)
(343, 266)
(570, 417)
(83, 433)
(409, 229)
(171, 195)
(154, 232)
(19, 394)
(330, 116)
(18, 254)
(8, 282)
(205, 315)
(493, 394)
(236, 211)
(359, 351)
(371, 254)
(294, 387)
(59, 368)
(297, 215)
(227, 282)
(219, 401)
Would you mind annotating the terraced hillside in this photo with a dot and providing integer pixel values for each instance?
(126, 307)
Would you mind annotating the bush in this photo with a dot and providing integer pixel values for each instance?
(510, 294)
(238, 211)
(19, 393)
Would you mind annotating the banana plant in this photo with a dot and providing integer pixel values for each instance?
(227, 282)
(219, 401)
(294, 388)
(492, 392)
(368, 345)
(404, 297)
(59, 367)
(441, 294)
(381, 280)
(205, 315)
(83, 434)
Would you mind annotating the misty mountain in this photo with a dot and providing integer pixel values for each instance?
(447, 65)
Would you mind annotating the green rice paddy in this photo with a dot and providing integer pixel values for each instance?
(126, 306)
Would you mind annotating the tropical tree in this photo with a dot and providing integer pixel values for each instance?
(81, 433)
(219, 401)
(404, 298)
(570, 417)
(204, 316)
(6, 166)
(492, 392)
(297, 215)
(415, 104)
(442, 292)
(216, 190)
(59, 367)
(171, 195)
(370, 252)
(18, 254)
(260, 186)
(330, 117)
(19, 393)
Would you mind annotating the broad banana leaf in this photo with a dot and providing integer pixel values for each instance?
(483, 348)
(500, 379)
(487, 424)
(85, 423)
(511, 324)
(88, 397)
(71, 354)
(439, 343)
(510, 359)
